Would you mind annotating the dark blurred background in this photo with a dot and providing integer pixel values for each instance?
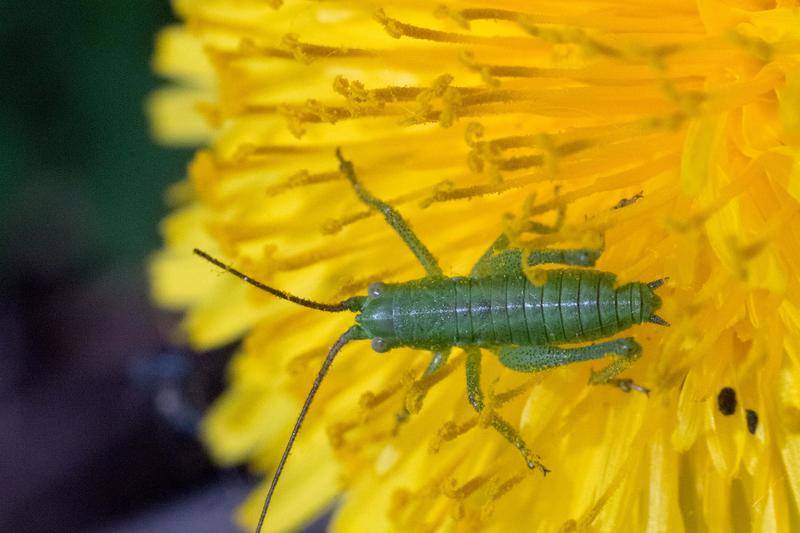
(97, 409)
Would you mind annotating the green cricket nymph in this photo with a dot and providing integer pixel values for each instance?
(496, 308)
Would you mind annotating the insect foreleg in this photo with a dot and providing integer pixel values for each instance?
(419, 389)
(394, 219)
(437, 361)
(476, 399)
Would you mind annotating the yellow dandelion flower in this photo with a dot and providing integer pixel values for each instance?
(670, 129)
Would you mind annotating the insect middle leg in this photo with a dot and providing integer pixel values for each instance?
(476, 398)
(423, 255)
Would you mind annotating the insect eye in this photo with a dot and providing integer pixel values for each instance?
(379, 345)
(375, 289)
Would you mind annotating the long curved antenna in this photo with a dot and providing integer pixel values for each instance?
(351, 304)
(351, 334)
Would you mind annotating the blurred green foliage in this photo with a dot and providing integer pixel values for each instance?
(74, 144)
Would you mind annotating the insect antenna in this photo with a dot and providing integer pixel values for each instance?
(353, 333)
(351, 304)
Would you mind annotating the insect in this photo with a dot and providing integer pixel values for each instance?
(495, 308)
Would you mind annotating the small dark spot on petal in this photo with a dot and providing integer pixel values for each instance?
(752, 420)
(726, 400)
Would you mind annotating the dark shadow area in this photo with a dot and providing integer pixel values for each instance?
(98, 409)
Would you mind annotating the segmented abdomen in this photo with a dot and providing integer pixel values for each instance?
(572, 305)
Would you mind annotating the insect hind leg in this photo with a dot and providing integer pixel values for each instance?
(476, 399)
(500, 260)
(608, 375)
(393, 218)
(536, 358)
